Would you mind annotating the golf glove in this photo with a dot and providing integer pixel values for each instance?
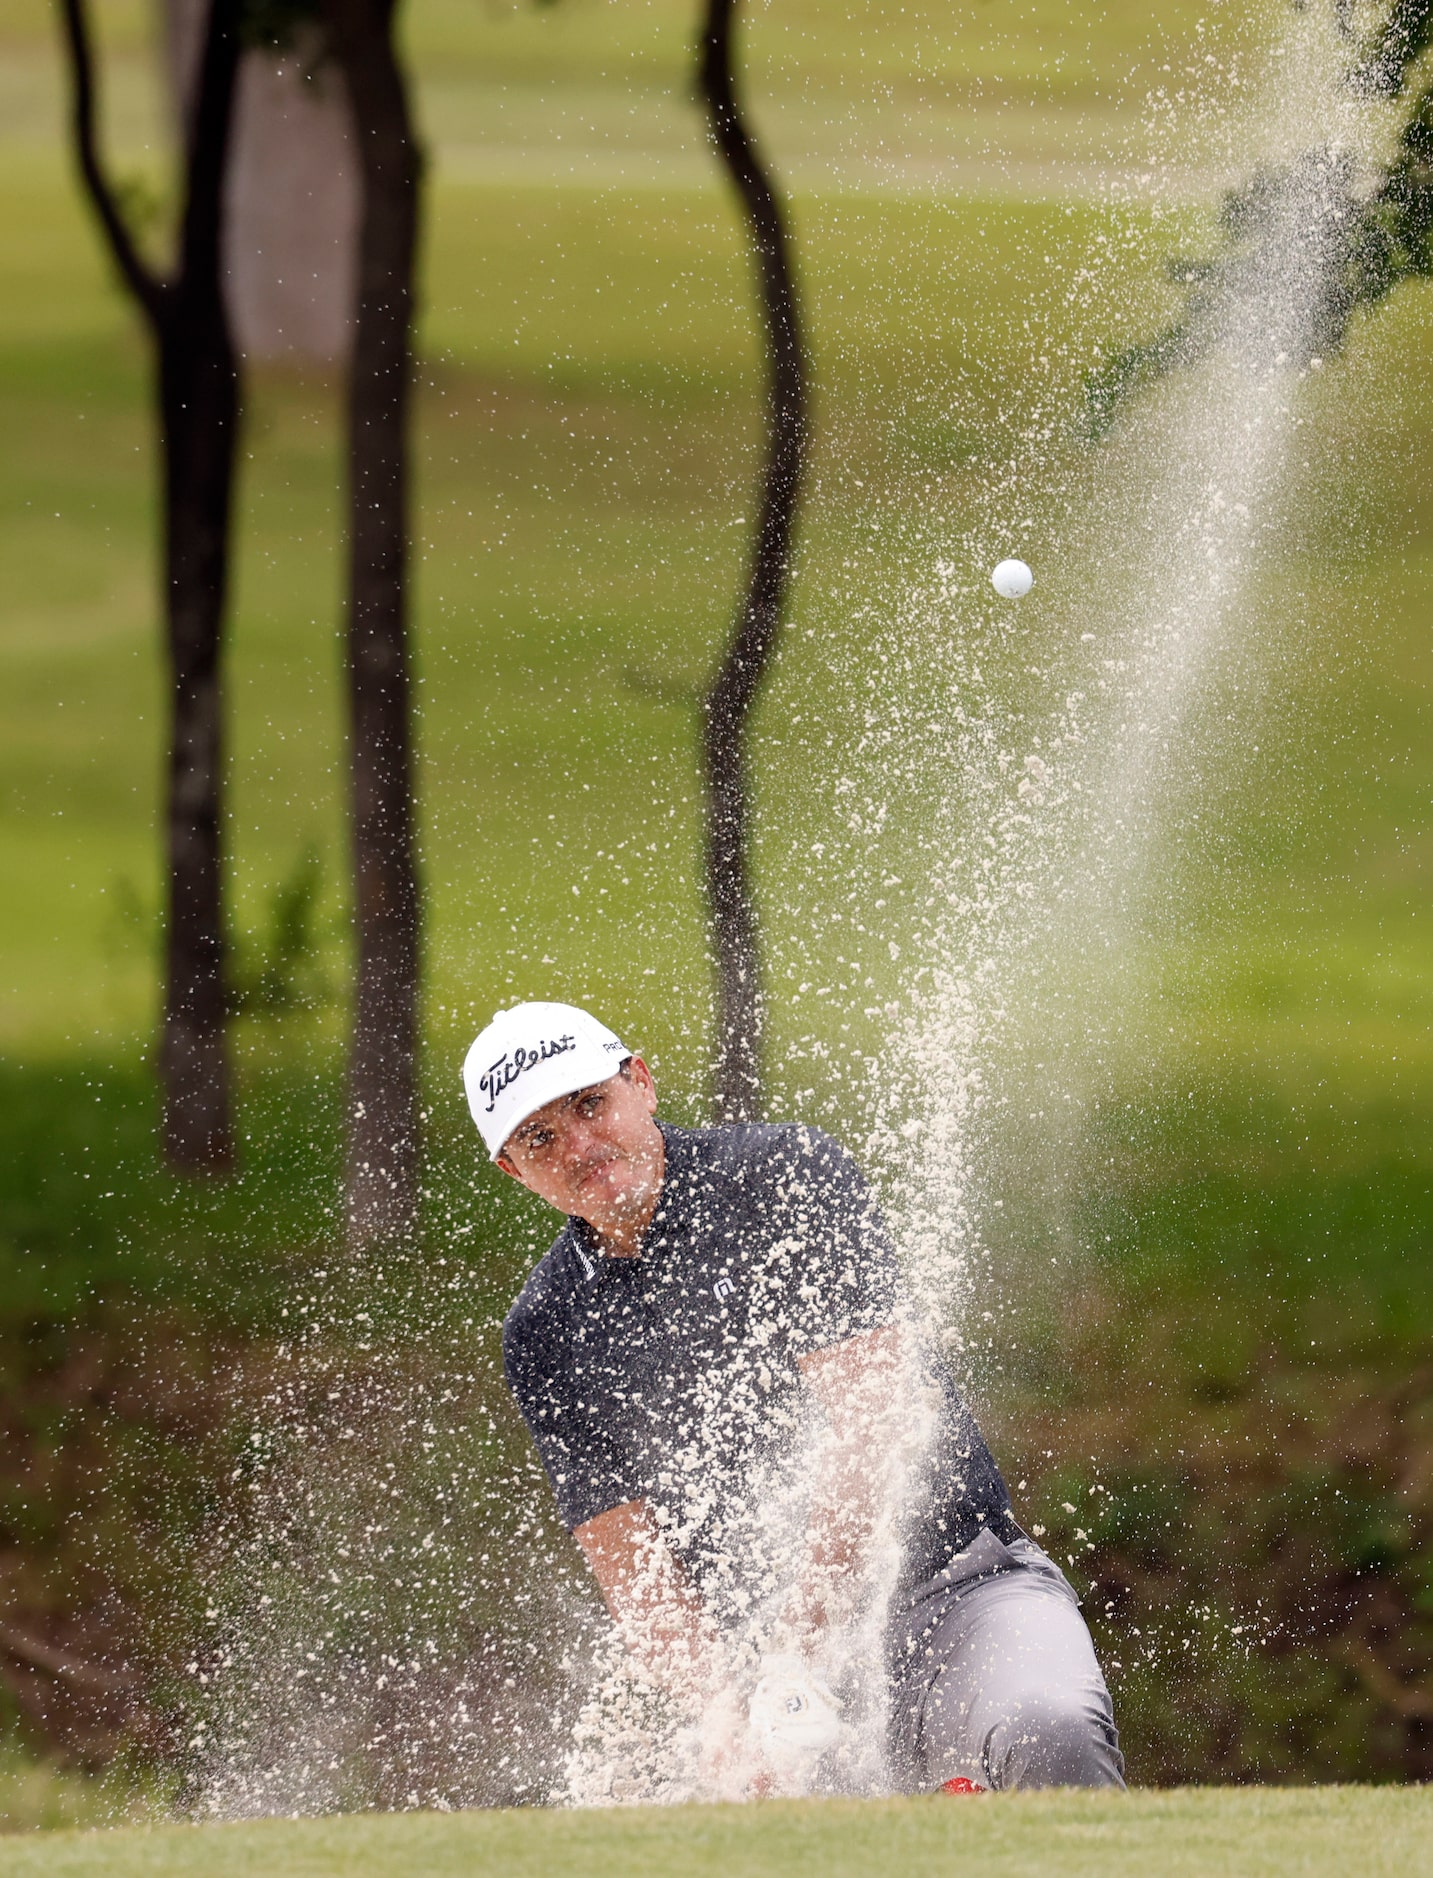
(794, 1716)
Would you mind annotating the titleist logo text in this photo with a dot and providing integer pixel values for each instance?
(511, 1065)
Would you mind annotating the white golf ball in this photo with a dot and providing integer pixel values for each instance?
(1012, 579)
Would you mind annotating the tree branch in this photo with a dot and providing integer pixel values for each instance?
(727, 702)
(1406, 34)
(1407, 1701)
(56, 1662)
(747, 657)
(146, 286)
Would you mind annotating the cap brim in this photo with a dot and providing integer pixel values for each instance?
(539, 1093)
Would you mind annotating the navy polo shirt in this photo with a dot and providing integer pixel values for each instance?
(673, 1377)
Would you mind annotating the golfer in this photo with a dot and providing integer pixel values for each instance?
(752, 1441)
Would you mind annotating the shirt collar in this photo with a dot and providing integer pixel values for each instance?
(676, 1183)
(585, 1248)
(676, 1165)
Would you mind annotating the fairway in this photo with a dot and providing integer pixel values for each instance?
(1311, 1831)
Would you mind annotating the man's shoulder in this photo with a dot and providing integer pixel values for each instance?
(733, 1147)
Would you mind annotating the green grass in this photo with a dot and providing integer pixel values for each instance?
(35, 1796)
(1244, 1835)
(586, 443)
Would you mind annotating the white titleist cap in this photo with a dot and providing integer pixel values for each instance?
(529, 1056)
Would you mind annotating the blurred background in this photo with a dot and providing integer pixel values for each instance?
(1220, 1405)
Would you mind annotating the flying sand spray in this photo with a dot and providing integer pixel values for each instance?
(304, 1682)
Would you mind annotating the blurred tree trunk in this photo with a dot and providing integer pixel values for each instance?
(382, 1176)
(726, 706)
(198, 408)
(291, 204)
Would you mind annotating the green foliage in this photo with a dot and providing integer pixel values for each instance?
(142, 205)
(1384, 68)
(283, 966)
(1134, 367)
(1397, 229)
(277, 24)
(279, 970)
(41, 1796)
(1220, 1435)
(1258, 1594)
(1382, 237)
(1315, 194)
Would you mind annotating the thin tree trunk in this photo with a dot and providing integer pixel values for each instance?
(293, 207)
(198, 409)
(382, 1178)
(726, 706)
(200, 413)
(291, 201)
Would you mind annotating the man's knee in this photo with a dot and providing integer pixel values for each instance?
(1055, 1738)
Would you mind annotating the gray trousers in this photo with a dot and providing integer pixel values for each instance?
(994, 1678)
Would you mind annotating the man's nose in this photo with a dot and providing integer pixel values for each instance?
(579, 1139)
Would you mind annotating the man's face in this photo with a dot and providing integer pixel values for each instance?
(597, 1153)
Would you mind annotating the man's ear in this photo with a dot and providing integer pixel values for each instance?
(638, 1073)
(508, 1167)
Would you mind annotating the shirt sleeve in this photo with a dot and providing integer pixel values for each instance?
(571, 1425)
(844, 1277)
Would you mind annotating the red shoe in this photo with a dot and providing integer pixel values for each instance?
(961, 1785)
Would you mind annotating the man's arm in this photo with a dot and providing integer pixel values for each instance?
(859, 1387)
(657, 1609)
(651, 1599)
